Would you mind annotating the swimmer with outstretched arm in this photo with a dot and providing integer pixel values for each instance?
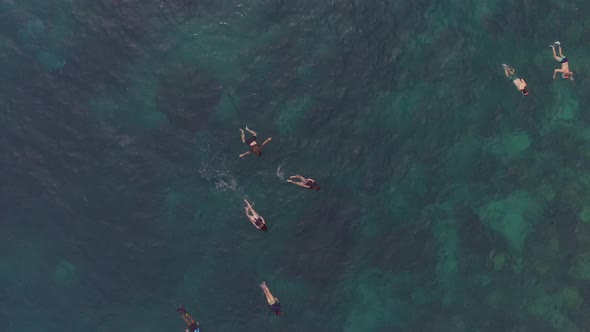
(565, 66)
(520, 84)
(254, 217)
(273, 302)
(304, 182)
(190, 322)
(251, 142)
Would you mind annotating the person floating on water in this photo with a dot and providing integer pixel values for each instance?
(306, 183)
(254, 217)
(273, 302)
(190, 322)
(251, 142)
(565, 66)
(518, 82)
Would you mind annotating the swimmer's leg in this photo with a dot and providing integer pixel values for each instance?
(561, 52)
(190, 319)
(185, 319)
(243, 136)
(558, 59)
(269, 298)
(251, 131)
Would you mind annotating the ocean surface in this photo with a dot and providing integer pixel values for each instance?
(449, 201)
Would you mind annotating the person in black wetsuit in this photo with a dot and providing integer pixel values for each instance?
(251, 142)
(190, 322)
(254, 217)
(304, 182)
(273, 302)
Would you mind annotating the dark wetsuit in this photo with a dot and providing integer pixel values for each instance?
(311, 184)
(276, 307)
(194, 327)
(258, 222)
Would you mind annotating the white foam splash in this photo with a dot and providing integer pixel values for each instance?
(218, 174)
(281, 172)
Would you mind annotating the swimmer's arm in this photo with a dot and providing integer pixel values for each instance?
(245, 153)
(557, 71)
(296, 177)
(298, 183)
(267, 140)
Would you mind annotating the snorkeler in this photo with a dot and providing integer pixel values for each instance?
(273, 302)
(251, 142)
(254, 217)
(306, 183)
(565, 66)
(518, 82)
(190, 322)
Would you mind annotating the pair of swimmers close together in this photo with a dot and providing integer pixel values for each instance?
(521, 85)
(258, 222)
(192, 326)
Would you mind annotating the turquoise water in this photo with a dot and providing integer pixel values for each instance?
(449, 202)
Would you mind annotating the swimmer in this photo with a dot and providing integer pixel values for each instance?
(518, 82)
(565, 66)
(254, 217)
(273, 302)
(251, 142)
(190, 322)
(305, 183)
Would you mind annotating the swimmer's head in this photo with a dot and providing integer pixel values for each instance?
(257, 150)
(316, 188)
(278, 312)
(568, 76)
(525, 92)
(264, 228)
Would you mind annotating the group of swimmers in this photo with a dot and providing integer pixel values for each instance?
(258, 221)
(521, 84)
